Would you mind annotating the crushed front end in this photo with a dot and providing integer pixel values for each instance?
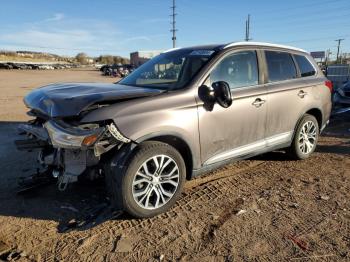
(68, 149)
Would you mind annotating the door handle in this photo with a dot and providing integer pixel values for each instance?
(302, 93)
(258, 102)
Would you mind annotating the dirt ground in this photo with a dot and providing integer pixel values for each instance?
(263, 209)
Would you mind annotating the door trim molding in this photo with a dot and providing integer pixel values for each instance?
(256, 146)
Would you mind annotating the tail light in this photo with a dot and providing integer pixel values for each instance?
(329, 84)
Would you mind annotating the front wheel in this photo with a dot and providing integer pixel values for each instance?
(152, 182)
(305, 138)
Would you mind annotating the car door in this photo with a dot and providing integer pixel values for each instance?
(287, 94)
(239, 129)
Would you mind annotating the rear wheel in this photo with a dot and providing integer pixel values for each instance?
(152, 181)
(305, 138)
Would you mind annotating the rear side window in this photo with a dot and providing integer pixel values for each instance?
(280, 66)
(306, 69)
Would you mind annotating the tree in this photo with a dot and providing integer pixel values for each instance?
(109, 59)
(116, 59)
(82, 58)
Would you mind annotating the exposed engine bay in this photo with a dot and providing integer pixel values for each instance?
(70, 146)
(67, 149)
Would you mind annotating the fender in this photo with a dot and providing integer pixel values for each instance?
(115, 169)
(301, 117)
(195, 156)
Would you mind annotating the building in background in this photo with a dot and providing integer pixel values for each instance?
(139, 57)
(319, 56)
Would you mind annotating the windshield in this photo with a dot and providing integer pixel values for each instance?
(172, 70)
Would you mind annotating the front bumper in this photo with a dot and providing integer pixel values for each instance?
(70, 150)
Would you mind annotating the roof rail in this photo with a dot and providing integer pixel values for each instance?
(172, 49)
(263, 44)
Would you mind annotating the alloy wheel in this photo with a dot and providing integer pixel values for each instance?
(307, 137)
(155, 182)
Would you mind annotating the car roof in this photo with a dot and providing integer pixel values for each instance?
(218, 47)
(262, 44)
(198, 47)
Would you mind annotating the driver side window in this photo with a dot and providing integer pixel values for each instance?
(238, 70)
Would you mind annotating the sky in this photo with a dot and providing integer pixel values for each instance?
(118, 27)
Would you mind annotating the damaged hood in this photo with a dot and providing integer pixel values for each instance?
(69, 99)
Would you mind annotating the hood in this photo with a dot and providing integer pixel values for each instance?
(346, 86)
(69, 99)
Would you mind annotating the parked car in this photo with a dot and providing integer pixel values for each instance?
(342, 95)
(116, 70)
(5, 66)
(152, 131)
(103, 67)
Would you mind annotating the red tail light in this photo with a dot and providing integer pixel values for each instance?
(329, 84)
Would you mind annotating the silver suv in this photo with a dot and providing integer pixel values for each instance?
(183, 113)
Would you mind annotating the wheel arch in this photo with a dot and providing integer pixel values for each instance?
(179, 144)
(316, 112)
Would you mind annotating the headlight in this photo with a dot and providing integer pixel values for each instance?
(71, 137)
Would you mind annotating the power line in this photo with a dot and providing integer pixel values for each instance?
(312, 39)
(296, 7)
(173, 30)
(312, 18)
(290, 28)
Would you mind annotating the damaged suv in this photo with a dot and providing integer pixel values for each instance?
(183, 113)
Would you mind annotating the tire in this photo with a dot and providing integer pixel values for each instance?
(305, 138)
(141, 189)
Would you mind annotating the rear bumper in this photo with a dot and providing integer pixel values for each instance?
(324, 126)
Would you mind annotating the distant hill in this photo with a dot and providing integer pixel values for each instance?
(82, 58)
(30, 56)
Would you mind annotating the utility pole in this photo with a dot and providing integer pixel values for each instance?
(247, 29)
(173, 30)
(328, 53)
(339, 41)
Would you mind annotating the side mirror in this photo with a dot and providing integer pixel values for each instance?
(222, 93)
(206, 94)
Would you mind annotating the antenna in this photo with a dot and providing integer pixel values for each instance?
(173, 30)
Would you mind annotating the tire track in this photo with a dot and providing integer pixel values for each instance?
(209, 188)
(251, 179)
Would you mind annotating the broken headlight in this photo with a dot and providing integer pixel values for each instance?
(71, 137)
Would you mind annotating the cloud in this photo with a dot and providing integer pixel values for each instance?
(137, 38)
(69, 35)
(62, 39)
(56, 17)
